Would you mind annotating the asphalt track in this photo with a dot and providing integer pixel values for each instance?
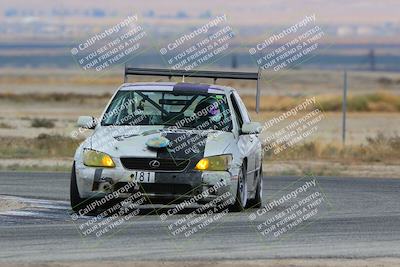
(362, 220)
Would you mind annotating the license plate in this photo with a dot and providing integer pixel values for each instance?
(143, 177)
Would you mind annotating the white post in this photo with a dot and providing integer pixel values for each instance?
(344, 107)
(258, 91)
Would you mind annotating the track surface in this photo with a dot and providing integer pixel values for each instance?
(363, 221)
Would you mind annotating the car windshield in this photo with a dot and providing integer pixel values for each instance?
(176, 109)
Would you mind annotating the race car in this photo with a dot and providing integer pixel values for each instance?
(171, 142)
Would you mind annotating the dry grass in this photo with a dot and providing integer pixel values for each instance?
(42, 123)
(379, 157)
(57, 79)
(4, 125)
(43, 146)
(375, 102)
(380, 101)
(380, 148)
(52, 97)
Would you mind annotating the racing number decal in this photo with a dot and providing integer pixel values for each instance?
(143, 177)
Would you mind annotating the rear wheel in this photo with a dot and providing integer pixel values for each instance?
(241, 193)
(256, 202)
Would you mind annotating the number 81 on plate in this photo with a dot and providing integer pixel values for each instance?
(143, 177)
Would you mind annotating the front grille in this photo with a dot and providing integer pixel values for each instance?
(144, 164)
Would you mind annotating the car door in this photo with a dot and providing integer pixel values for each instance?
(256, 147)
(245, 141)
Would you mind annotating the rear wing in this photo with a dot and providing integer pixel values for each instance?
(198, 74)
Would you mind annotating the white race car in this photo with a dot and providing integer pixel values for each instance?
(171, 142)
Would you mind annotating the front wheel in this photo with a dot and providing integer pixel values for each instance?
(79, 204)
(241, 192)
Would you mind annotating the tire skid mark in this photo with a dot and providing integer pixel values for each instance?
(35, 211)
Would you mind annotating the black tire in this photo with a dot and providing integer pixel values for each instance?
(257, 201)
(241, 193)
(80, 204)
(76, 201)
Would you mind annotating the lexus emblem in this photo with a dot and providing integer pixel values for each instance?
(154, 164)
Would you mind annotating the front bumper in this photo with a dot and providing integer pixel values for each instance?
(168, 187)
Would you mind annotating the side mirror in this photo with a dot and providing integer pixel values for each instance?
(86, 122)
(251, 128)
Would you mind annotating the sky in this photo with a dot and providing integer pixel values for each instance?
(335, 12)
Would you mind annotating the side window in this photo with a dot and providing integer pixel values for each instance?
(244, 112)
(236, 109)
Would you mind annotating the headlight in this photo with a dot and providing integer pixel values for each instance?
(214, 163)
(95, 158)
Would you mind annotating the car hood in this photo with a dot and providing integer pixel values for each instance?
(131, 141)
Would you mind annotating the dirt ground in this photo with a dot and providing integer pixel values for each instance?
(10, 204)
